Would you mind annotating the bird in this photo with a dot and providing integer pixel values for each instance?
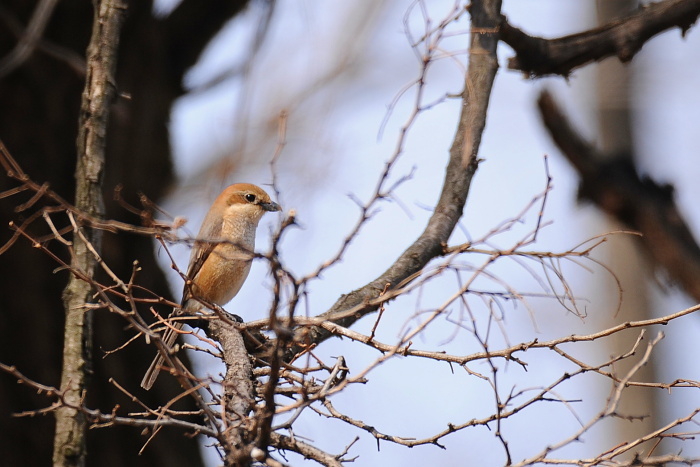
(221, 257)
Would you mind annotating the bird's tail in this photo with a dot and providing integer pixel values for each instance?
(169, 338)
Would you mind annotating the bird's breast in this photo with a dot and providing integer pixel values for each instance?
(222, 274)
(228, 264)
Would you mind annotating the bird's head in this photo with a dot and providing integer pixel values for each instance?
(246, 200)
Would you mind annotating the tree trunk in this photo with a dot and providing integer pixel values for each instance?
(613, 89)
(41, 101)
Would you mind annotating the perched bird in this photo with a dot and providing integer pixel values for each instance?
(221, 256)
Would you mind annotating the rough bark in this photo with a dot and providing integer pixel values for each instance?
(69, 441)
(238, 393)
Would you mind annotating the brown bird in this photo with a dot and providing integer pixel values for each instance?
(221, 256)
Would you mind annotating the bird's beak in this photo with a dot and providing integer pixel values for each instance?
(271, 206)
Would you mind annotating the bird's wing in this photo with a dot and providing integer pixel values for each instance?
(203, 246)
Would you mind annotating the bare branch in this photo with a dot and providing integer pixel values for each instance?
(29, 40)
(310, 452)
(640, 203)
(238, 393)
(624, 38)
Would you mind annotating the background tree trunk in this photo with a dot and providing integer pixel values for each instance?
(615, 125)
(40, 103)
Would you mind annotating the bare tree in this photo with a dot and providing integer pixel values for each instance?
(290, 376)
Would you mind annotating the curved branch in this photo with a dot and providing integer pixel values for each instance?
(537, 56)
(308, 451)
(30, 39)
(461, 167)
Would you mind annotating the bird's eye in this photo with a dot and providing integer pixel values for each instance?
(250, 198)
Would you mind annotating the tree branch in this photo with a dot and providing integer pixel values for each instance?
(537, 56)
(29, 39)
(616, 188)
(306, 450)
(238, 395)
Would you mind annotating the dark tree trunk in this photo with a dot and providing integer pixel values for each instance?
(39, 103)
